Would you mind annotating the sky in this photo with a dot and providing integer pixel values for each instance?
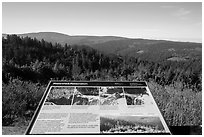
(178, 21)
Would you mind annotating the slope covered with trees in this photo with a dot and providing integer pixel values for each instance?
(145, 49)
(28, 65)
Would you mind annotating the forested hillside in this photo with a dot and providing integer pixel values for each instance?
(152, 50)
(28, 65)
(145, 49)
(70, 40)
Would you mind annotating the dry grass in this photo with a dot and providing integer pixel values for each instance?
(180, 107)
(9, 130)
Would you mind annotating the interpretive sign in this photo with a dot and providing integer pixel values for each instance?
(97, 108)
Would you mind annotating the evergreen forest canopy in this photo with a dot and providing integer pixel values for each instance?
(39, 61)
(29, 64)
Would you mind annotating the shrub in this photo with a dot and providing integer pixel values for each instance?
(19, 100)
(179, 106)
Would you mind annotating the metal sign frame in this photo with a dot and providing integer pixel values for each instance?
(55, 83)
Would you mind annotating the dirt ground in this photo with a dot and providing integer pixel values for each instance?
(14, 130)
(9, 130)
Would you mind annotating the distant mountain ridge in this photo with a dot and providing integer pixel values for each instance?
(70, 40)
(143, 48)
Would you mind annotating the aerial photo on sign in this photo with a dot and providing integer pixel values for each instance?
(86, 96)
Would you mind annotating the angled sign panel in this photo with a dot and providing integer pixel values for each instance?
(97, 108)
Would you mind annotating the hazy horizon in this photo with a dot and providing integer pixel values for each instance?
(105, 36)
(174, 21)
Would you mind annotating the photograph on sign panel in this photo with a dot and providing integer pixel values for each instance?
(130, 124)
(111, 95)
(86, 96)
(136, 96)
(60, 96)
